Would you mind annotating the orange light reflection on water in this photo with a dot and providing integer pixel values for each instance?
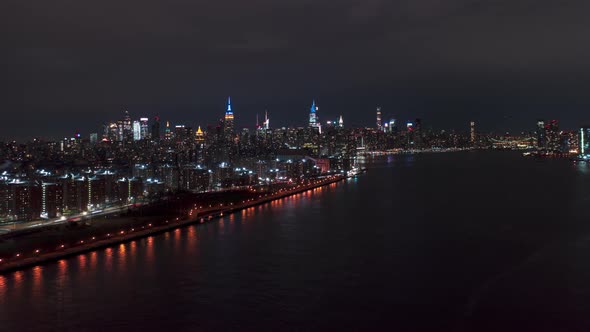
(192, 237)
(108, 259)
(37, 279)
(82, 260)
(3, 286)
(122, 257)
(176, 239)
(150, 250)
(93, 260)
(133, 251)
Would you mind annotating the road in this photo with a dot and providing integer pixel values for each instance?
(58, 221)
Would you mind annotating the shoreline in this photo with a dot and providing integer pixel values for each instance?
(11, 266)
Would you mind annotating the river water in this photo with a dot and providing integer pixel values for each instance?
(466, 241)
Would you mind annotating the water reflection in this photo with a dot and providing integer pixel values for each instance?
(93, 260)
(583, 167)
(122, 257)
(192, 237)
(150, 251)
(37, 279)
(132, 251)
(82, 262)
(176, 241)
(108, 259)
(3, 286)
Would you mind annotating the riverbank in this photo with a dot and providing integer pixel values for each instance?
(148, 226)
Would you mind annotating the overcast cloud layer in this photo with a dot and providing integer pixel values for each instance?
(72, 65)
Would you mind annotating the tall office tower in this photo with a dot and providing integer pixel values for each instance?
(341, 122)
(392, 125)
(167, 132)
(93, 138)
(145, 134)
(120, 130)
(127, 127)
(200, 136)
(553, 137)
(410, 132)
(418, 135)
(584, 141)
(541, 135)
(182, 133)
(472, 132)
(156, 128)
(313, 117)
(136, 131)
(111, 132)
(379, 124)
(266, 124)
(227, 146)
(228, 123)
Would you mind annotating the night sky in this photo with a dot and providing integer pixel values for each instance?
(72, 65)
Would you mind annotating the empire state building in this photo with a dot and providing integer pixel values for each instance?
(228, 124)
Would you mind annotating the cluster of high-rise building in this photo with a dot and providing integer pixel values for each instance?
(142, 160)
(49, 195)
(147, 158)
(552, 141)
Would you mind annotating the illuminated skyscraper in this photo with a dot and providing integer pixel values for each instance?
(553, 136)
(410, 133)
(341, 122)
(167, 132)
(183, 134)
(472, 132)
(144, 128)
(266, 124)
(313, 117)
(127, 127)
(584, 142)
(200, 136)
(228, 123)
(111, 132)
(136, 131)
(392, 125)
(541, 135)
(379, 124)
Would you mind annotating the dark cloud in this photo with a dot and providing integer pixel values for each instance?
(75, 64)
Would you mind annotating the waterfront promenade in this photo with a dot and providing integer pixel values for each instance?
(57, 241)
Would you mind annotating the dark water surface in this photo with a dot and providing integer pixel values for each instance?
(482, 241)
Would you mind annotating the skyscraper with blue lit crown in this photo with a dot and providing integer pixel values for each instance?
(228, 124)
(313, 118)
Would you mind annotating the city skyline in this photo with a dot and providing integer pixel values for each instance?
(87, 128)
